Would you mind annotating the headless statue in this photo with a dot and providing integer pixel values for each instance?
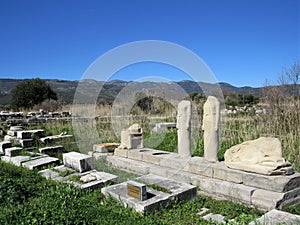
(184, 128)
(211, 121)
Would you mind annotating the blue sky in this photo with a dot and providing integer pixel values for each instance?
(243, 42)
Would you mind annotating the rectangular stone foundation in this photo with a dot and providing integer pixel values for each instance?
(155, 198)
(214, 179)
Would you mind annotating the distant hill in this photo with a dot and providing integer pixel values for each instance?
(66, 89)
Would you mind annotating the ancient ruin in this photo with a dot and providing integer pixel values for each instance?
(263, 156)
(184, 128)
(211, 123)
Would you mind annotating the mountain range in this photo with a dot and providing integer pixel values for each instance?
(66, 89)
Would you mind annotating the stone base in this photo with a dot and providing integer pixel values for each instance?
(214, 179)
(40, 162)
(155, 198)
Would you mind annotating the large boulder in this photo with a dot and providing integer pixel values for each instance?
(263, 155)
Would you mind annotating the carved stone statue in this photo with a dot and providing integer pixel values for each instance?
(211, 121)
(184, 128)
(263, 155)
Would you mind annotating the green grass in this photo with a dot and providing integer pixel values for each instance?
(28, 198)
(159, 188)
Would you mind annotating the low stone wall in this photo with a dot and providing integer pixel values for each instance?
(213, 179)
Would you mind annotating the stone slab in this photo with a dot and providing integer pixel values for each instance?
(129, 164)
(276, 183)
(270, 200)
(25, 143)
(27, 134)
(54, 173)
(13, 151)
(224, 189)
(121, 152)
(275, 217)
(4, 145)
(159, 170)
(154, 156)
(174, 161)
(54, 138)
(218, 218)
(222, 172)
(179, 175)
(52, 150)
(135, 154)
(78, 161)
(100, 178)
(16, 160)
(40, 163)
(105, 147)
(9, 138)
(200, 166)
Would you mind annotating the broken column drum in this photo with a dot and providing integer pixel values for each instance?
(184, 128)
(211, 122)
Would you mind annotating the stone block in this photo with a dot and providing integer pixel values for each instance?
(12, 133)
(154, 156)
(278, 183)
(13, 151)
(4, 145)
(267, 200)
(93, 179)
(121, 152)
(78, 161)
(27, 134)
(200, 166)
(159, 170)
(105, 147)
(222, 172)
(40, 162)
(9, 138)
(174, 161)
(224, 189)
(135, 154)
(277, 217)
(52, 150)
(99, 148)
(16, 128)
(16, 160)
(162, 127)
(25, 143)
(140, 167)
(179, 175)
(54, 138)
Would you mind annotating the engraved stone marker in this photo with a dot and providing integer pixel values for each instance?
(137, 190)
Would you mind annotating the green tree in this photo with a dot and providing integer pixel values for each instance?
(31, 92)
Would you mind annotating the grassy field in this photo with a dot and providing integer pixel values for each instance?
(28, 198)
